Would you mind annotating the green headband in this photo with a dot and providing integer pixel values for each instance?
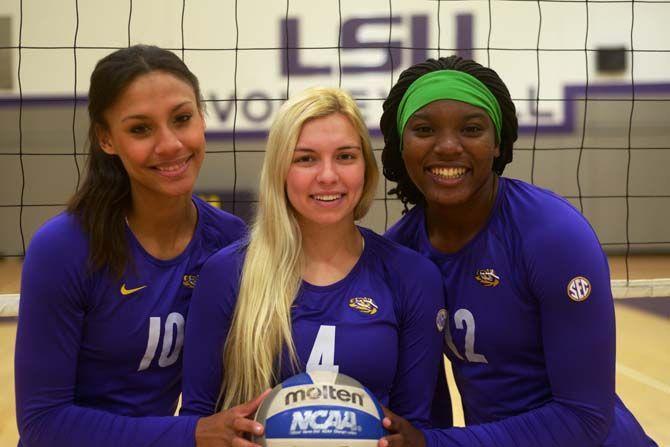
(447, 84)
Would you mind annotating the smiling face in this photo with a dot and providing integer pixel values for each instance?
(327, 173)
(448, 151)
(157, 130)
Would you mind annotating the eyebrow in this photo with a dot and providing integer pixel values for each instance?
(141, 117)
(341, 148)
(425, 116)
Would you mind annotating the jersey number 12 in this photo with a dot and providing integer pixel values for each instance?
(464, 320)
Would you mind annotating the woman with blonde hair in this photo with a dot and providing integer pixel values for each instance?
(309, 286)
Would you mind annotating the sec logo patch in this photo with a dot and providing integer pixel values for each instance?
(579, 288)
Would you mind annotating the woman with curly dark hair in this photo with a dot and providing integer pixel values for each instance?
(530, 330)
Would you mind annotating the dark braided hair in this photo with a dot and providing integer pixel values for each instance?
(394, 167)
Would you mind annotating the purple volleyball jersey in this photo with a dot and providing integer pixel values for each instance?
(93, 353)
(530, 331)
(380, 325)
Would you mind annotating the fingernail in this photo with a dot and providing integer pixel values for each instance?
(258, 429)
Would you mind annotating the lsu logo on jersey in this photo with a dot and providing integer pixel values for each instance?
(364, 305)
(189, 281)
(579, 288)
(487, 277)
(441, 319)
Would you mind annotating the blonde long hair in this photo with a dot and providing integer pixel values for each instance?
(270, 280)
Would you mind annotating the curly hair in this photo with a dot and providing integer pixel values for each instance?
(393, 165)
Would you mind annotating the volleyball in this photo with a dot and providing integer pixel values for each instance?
(320, 409)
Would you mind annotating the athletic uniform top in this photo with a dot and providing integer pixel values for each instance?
(531, 326)
(379, 325)
(93, 352)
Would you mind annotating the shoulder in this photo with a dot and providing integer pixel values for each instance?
(218, 225)
(546, 227)
(406, 230)
(57, 260)
(60, 237)
(404, 264)
(536, 204)
(227, 259)
(540, 213)
(218, 281)
(416, 281)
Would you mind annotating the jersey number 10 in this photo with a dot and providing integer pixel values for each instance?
(174, 335)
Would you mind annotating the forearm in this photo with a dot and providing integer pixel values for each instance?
(76, 426)
(552, 425)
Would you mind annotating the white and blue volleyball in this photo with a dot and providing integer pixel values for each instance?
(320, 409)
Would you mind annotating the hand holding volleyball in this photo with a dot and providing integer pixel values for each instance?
(403, 433)
(230, 427)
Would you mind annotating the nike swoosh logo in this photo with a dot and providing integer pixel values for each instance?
(125, 291)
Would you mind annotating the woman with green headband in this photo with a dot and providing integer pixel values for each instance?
(530, 331)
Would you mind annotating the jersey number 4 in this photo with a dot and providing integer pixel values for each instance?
(322, 356)
(173, 336)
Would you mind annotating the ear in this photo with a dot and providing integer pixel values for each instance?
(496, 151)
(104, 140)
